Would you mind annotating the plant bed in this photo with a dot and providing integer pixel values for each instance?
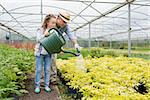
(74, 93)
(108, 77)
(15, 65)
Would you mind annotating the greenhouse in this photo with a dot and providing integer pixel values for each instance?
(92, 49)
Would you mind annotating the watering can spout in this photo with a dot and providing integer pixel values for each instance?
(75, 54)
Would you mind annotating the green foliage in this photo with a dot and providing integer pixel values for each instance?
(99, 52)
(14, 66)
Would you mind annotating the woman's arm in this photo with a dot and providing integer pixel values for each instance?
(72, 37)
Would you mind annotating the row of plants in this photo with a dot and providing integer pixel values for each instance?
(108, 78)
(99, 52)
(141, 48)
(15, 64)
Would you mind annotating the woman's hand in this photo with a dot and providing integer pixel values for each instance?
(61, 53)
(46, 32)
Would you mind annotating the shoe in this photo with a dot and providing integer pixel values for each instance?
(37, 90)
(47, 89)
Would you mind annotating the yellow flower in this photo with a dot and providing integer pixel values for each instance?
(107, 77)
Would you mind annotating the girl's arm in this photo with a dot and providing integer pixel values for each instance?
(39, 35)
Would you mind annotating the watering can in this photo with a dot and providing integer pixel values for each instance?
(54, 41)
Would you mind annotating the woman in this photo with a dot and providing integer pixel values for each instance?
(62, 21)
(42, 57)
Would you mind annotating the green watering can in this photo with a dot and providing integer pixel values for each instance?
(54, 41)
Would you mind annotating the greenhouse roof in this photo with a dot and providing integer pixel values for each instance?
(104, 19)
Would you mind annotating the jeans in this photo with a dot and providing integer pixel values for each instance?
(40, 61)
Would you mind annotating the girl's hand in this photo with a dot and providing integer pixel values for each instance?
(46, 32)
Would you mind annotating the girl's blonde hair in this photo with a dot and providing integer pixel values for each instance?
(46, 20)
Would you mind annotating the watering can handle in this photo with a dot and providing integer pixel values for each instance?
(75, 54)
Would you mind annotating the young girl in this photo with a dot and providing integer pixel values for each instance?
(42, 57)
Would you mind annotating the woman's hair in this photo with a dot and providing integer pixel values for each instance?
(46, 19)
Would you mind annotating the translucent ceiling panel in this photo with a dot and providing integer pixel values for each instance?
(25, 16)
